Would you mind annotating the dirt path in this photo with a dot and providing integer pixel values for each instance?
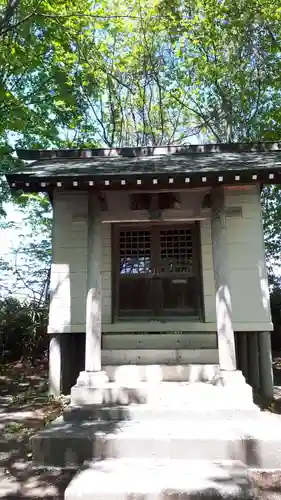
(24, 408)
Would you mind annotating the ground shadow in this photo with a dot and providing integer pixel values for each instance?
(25, 407)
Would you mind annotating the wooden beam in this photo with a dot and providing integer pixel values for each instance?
(93, 305)
(226, 341)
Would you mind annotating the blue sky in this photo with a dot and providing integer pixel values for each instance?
(10, 240)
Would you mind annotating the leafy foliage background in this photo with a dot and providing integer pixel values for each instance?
(149, 72)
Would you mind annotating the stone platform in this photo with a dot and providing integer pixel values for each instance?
(139, 385)
(162, 372)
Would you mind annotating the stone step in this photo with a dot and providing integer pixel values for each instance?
(66, 445)
(157, 373)
(122, 479)
(146, 412)
(160, 340)
(256, 442)
(167, 393)
(159, 356)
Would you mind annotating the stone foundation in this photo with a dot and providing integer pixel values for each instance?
(67, 360)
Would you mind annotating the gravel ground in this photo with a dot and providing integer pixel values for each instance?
(267, 484)
(24, 408)
(25, 483)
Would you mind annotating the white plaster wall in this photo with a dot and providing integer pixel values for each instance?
(190, 207)
(248, 276)
(69, 263)
(69, 270)
(250, 298)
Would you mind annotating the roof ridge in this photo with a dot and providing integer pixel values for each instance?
(129, 152)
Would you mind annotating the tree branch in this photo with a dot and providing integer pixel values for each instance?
(258, 96)
(200, 114)
(156, 79)
(10, 12)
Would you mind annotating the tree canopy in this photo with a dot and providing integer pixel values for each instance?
(147, 72)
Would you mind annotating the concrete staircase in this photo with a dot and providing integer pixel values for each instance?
(148, 423)
(138, 416)
(105, 433)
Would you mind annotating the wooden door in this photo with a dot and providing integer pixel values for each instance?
(157, 271)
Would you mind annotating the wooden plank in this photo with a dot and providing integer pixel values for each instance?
(159, 341)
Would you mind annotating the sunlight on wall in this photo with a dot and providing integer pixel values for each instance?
(60, 304)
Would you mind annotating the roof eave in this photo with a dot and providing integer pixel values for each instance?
(143, 181)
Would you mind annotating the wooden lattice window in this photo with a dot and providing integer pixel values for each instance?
(135, 252)
(156, 271)
(176, 247)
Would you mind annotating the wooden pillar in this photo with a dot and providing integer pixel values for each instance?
(265, 357)
(94, 284)
(89, 388)
(226, 342)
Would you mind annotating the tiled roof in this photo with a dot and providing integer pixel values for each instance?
(99, 166)
(167, 164)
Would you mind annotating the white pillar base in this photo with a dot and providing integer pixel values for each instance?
(55, 365)
(89, 388)
(232, 377)
(92, 379)
(235, 382)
